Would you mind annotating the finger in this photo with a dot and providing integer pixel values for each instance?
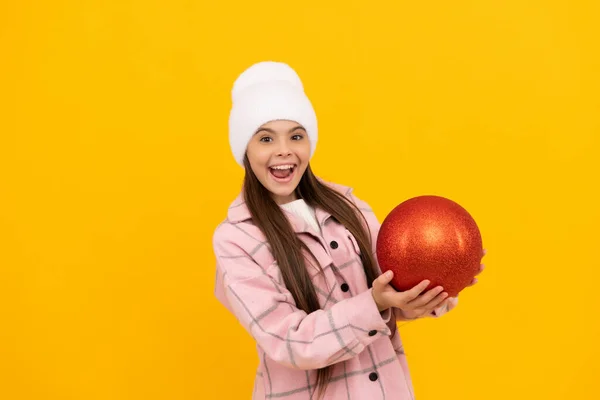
(484, 252)
(424, 299)
(443, 305)
(481, 268)
(438, 301)
(383, 279)
(474, 281)
(415, 291)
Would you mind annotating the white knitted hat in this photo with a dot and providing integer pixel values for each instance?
(265, 92)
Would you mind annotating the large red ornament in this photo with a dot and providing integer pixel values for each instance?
(430, 237)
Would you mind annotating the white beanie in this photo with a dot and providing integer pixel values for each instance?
(268, 91)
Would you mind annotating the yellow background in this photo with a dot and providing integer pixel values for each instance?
(115, 169)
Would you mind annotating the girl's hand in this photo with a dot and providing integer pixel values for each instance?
(412, 302)
(481, 267)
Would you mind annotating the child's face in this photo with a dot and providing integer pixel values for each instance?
(283, 144)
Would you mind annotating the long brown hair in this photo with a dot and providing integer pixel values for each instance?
(287, 248)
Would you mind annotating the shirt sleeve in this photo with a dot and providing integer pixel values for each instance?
(260, 301)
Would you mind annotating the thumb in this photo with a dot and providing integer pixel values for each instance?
(383, 279)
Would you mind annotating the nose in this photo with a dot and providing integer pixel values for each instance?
(284, 149)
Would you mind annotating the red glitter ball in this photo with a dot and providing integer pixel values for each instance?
(430, 237)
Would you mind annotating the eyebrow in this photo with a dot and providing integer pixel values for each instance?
(272, 131)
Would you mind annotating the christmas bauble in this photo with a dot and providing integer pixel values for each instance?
(430, 237)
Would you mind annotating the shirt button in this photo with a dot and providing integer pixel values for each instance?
(372, 333)
(373, 376)
(333, 244)
(345, 287)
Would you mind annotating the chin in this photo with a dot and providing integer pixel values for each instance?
(283, 193)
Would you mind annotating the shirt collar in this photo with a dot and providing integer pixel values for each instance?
(239, 212)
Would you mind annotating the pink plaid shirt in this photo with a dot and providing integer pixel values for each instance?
(348, 332)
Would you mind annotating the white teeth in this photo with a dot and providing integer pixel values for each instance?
(290, 166)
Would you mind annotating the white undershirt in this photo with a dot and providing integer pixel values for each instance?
(303, 211)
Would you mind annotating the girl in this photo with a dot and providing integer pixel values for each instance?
(296, 260)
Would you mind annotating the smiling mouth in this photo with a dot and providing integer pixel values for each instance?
(284, 173)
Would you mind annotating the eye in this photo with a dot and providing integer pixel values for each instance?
(265, 139)
(297, 137)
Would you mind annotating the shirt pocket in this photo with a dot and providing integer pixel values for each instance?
(352, 269)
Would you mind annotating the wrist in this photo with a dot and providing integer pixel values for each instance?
(380, 307)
